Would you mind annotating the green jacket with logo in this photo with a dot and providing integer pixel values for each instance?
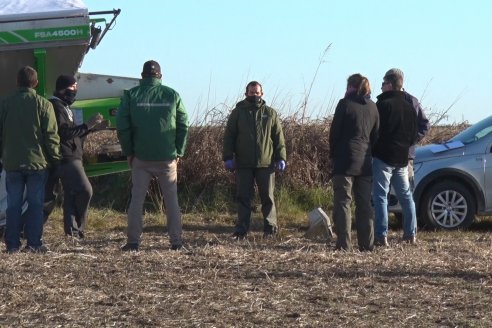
(253, 136)
(152, 123)
(28, 132)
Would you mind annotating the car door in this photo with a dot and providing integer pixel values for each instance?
(488, 177)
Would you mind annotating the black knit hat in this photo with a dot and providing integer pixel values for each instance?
(64, 81)
(151, 68)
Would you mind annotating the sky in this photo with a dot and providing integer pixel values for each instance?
(304, 50)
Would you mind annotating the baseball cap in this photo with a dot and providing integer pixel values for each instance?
(151, 68)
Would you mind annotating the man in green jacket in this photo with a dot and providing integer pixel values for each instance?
(29, 146)
(152, 127)
(253, 146)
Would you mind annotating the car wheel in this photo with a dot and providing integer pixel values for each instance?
(448, 205)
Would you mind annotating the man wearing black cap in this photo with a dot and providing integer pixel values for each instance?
(152, 127)
(77, 190)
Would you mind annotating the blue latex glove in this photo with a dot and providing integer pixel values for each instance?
(229, 165)
(281, 165)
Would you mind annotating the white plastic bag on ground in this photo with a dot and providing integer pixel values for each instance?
(320, 225)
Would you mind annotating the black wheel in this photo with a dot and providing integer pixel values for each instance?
(447, 205)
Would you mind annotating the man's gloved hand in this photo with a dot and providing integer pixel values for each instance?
(281, 165)
(94, 120)
(229, 165)
(101, 125)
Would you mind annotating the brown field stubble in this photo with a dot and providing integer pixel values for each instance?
(290, 281)
(444, 281)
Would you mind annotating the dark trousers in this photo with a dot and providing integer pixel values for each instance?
(265, 181)
(360, 186)
(51, 193)
(77, 193)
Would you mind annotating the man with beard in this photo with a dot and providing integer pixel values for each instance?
(254, 146)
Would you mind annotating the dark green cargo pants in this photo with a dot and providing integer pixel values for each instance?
(265, 181)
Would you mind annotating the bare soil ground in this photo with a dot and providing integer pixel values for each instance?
(290, 281)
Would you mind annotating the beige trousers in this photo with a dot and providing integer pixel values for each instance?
(166, 174)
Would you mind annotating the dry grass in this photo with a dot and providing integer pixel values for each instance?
(307, 146)
(100, 145)
(440, 134)
(444, 281)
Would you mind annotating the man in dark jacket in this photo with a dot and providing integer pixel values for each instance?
(253, 145)
(77, 190)
(152, 126)
(353, 133)
(397, 133)
(29, 146)
(423, 124)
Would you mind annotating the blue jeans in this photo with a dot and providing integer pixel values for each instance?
(31, 181)
(382, 175)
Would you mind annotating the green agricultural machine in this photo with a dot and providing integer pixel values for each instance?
(54, 36)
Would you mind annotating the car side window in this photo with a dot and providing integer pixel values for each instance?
(482, 133)
(475, 132)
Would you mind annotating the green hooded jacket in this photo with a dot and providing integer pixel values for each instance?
(253, 136)
(28, 132)
(152, 123)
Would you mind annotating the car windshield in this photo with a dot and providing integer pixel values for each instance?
(475, 132)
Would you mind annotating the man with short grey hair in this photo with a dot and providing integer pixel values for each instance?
(423, 124)
(397, 133)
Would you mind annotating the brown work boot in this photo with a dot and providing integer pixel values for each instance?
(381, 242)
(412, 240)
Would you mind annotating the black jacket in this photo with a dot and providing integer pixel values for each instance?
(423, 124)
(397, 128)
(70, 133)
(353, 132)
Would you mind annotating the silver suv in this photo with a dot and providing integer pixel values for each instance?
(453, 180)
